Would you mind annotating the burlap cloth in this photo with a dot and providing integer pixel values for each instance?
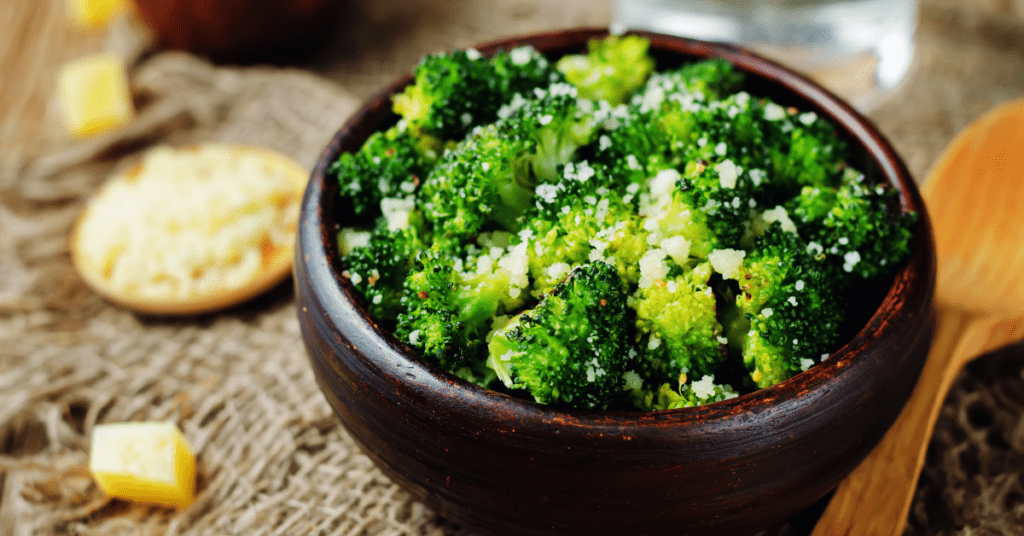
(272, 460)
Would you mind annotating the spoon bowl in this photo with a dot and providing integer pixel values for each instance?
(973, 195)
(94, 263)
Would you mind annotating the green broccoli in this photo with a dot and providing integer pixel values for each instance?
(725, 193)
(390, 164)
(580, 219)
(446, 311)
(663, 120)
(702, 81)
(854, 225)
(687, 395)
(612, 69)
(790, 297)
(378, 269)
(811, 152)
(677, 325)
(483, 170)
(546, 130)
(457, 91)
(573, 348)
(632, 146)
(674, 223)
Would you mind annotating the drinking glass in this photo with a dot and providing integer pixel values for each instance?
(859, 48)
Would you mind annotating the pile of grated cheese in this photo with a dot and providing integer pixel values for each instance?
(191, 222)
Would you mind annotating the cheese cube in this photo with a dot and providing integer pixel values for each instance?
(94, 94)
(148, 462)
(94, 13)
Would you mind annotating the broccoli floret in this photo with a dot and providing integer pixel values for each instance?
(810, 151)
(390, 164)
(546, 130)
(725, 193)
(378, 269)
(473, 185)
(581, 219)
(695, 82)
(457, 91)
(790, 297)
(612, 69)
(778, 148)
(701, 392)
(573, 348)
(446, 310)
(677, 325)
(497, 166)
(854, 225)
(680, 228)
(523, 69)
(632, 145)
(783, 148)
(662, 121)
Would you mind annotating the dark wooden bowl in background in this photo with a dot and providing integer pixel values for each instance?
(502, 465)
(241, 30)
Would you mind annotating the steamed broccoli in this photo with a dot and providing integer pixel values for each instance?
(612, 69)
(854, 225)
(790, 297)
(447, 309)
(687, 395)
(378, 269)
(707, 80)
(573, 348)
(579, 219)
(675, 224)
(677, 324)
(632, 145)
(607, 238)
(496, 168)
(390, 164)
(457, 91)
(482, 169)
(546, 129)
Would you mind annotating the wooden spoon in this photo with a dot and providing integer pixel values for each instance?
(275, 264)
(973, 196)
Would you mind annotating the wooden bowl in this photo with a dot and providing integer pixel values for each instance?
(241, 30)
(503, 465)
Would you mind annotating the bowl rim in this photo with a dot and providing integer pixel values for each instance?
(317, 236)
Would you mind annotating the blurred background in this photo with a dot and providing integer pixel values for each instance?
(285, 74)
(965, 59)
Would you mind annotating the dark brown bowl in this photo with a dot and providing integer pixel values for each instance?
(502, 465)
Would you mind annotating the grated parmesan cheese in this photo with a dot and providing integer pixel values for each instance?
(188, 222)
(727, 261)
(705, 387)
(779, 214)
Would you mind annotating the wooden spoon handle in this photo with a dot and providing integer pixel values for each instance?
(875, 498)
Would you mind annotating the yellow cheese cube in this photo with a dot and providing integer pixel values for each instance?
(143, 461)
(94, 13)
(94, 94)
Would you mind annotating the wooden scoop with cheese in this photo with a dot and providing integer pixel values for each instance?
(191, 230)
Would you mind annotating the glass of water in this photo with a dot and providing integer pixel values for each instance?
(858, 48)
